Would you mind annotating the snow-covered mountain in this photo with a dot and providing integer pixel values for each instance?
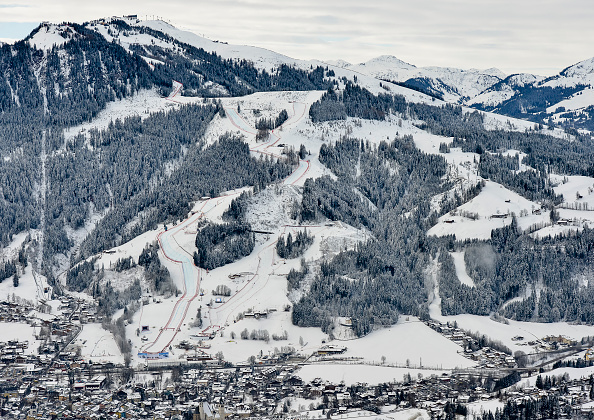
(127, 32)
(563, 99)
(453, 85)
(503, 90)
(580, 73)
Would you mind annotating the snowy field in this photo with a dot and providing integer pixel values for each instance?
(577, 101)
(141, 104)
(460, 265)
(574, 186)
(493, 201)
(554, 230)
(505, 332)
(353, 374)
(21, 332)
(31, 287)
(388, 413)
(479, 407)
(410, 340)
(98, 345)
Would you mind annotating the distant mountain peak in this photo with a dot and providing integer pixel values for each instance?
(48, 35)
(389, 60)
(583, 68)
(339, 63)
(494, 71)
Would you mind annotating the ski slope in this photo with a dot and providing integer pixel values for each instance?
(191, 284)
(265, 148)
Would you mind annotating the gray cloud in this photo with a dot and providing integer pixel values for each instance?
(539, 36)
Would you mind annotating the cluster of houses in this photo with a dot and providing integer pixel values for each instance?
(71, 388)
(262, 392)
(548, 343)
(13, 312)
(574, 396)
(485, 356)
(43, 381)
(237, 392)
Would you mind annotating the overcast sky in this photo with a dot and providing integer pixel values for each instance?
(535, 36)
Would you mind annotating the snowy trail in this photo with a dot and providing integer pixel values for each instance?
(239, 122)
(267, 258)
(220, 315)
(191, 275)
(299, 110)
(175, 253)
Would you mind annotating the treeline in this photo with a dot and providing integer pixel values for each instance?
(545, 153)
(547, 407)
(531, 184)
(530, 102)
(109, 300)
(222, 244)
(200, 173)
(238, 208)
(512, 264)
(270, 124)
(382, 277)
(454, 294)
(125, 165)
(289, 248)
(82, 275)
(355, 101)
(19, 209)
(295, 277)
(457, 198)
(12, 268)
(155, 273)
(207, 74)
(85, 277)
(7, 269)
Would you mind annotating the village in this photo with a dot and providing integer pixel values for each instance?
(51, 379)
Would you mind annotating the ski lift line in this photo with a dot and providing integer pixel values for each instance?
(149, 345)
(181, 321)
(140, 317)
(238, 292)
(253, 292)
